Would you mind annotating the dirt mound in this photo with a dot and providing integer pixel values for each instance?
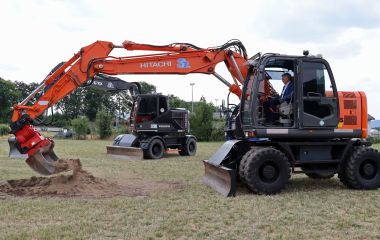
(81, 183)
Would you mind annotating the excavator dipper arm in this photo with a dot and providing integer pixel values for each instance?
(94, 59)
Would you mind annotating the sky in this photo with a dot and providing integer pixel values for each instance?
(38, 34)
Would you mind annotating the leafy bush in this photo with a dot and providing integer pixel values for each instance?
(80, 126)
(4, 129)
(103, 124)
(122, 129)
(218, 131)
(201, 120)
(373, 140)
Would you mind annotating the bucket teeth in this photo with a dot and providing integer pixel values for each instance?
(221, 179)
(127, 153)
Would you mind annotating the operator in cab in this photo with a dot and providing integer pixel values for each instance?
(271, 105)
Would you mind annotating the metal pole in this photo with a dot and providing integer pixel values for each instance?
(192, 100)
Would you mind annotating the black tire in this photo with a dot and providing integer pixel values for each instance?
(363, 169)
(342, 168)
(189, 148)
(155, 149)
(267, 171)
(243, 163)
(320, 175)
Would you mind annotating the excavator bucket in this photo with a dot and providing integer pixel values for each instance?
(124, 148)
(221, 178)
(44, 161)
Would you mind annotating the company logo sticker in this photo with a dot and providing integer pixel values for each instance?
(183, 63)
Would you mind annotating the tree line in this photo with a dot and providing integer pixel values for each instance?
(88, 105)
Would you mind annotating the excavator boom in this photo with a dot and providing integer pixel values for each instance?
(95, 60)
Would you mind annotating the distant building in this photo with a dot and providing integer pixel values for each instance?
(373, 126)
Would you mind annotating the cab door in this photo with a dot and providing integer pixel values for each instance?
(319, 98)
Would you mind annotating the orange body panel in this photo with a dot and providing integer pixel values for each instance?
(353, 111)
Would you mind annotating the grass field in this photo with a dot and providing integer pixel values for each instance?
(307, 209)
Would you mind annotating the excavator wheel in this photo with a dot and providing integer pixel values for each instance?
(189, 148)
(267, 171)
(342, 168)
(243, 163)
(155, 149)
(363, 169)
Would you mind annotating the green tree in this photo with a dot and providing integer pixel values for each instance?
(218, 130)
(94, 100)
(71, 106)
(9, 95)
(80, 126)
(147, 88)
(201, 120)
(103, 123)
(176, 102)
(26, 89)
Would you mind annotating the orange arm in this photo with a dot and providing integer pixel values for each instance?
(94, 59)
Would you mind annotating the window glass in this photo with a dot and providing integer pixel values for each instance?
(316, 83)
(316, 80)
(246, 115)
(147, 105)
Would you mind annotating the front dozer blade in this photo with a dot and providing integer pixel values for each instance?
(125, 147)
(126, 153)
(45, 161)
(13, 150)
(221, 178)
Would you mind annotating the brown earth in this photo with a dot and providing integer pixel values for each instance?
(81, 184)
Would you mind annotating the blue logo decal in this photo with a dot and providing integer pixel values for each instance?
(183, 63)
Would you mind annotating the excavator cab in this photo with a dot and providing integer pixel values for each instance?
(313, 101)
(146, 109)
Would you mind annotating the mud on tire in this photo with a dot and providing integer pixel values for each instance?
(362, 169)
(267, 171)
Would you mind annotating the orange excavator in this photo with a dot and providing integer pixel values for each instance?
(95, 60)
(315, 129)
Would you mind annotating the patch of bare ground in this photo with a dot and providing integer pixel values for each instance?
(81, 183)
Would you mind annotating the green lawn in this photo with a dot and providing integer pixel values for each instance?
(307, 209)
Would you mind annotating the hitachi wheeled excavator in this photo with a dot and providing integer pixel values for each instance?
(319, 132)
(154, 127)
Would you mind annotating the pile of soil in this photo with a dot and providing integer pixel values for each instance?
(79, 184)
